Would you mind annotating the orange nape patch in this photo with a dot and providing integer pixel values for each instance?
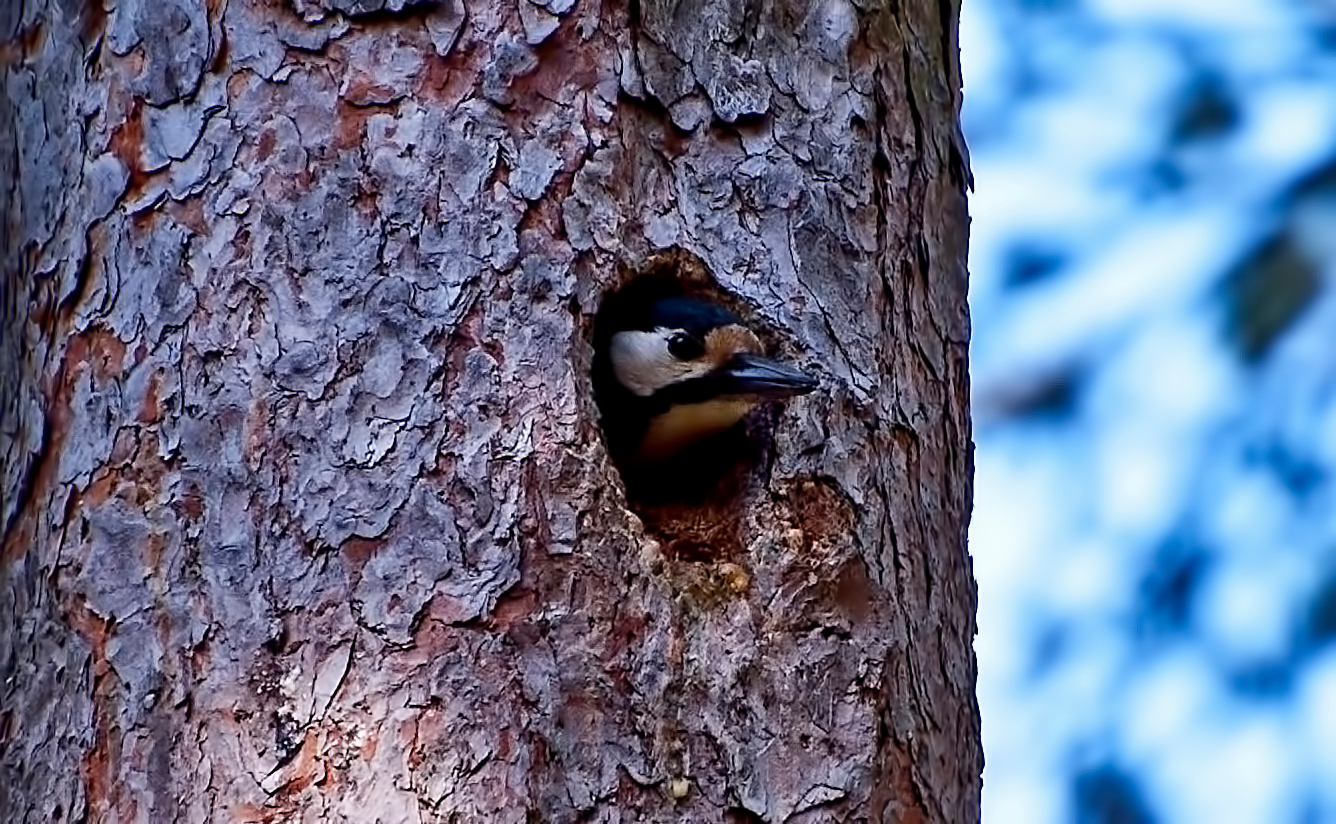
(726, 341)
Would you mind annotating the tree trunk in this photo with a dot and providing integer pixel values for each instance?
(307, 513)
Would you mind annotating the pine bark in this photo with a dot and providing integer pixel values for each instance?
(307, 515)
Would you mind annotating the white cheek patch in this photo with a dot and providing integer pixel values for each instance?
(642, 363)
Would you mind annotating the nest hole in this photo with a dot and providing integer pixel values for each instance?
(693, 503)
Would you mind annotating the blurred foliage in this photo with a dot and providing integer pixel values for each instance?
(1209, 111)
(1107, 795)
(1320, 627)
(1155, 366)
(1032, 263)
(1168, 586)
(1045, 397)
(1267, 293)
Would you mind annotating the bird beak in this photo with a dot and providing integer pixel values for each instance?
(755, 375)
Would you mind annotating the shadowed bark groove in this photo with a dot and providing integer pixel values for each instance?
(307, 514)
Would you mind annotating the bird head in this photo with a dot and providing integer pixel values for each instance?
(684, 370)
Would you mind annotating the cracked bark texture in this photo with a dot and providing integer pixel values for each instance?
(306, 512)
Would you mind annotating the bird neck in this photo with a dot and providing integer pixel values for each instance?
(682, 425)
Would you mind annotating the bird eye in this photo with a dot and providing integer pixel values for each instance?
(685, 347)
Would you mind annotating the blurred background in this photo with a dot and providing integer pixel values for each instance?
(1154, 360)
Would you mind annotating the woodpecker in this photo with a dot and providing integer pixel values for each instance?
(673, 371)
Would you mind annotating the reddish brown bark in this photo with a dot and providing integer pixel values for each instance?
(307, 516)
